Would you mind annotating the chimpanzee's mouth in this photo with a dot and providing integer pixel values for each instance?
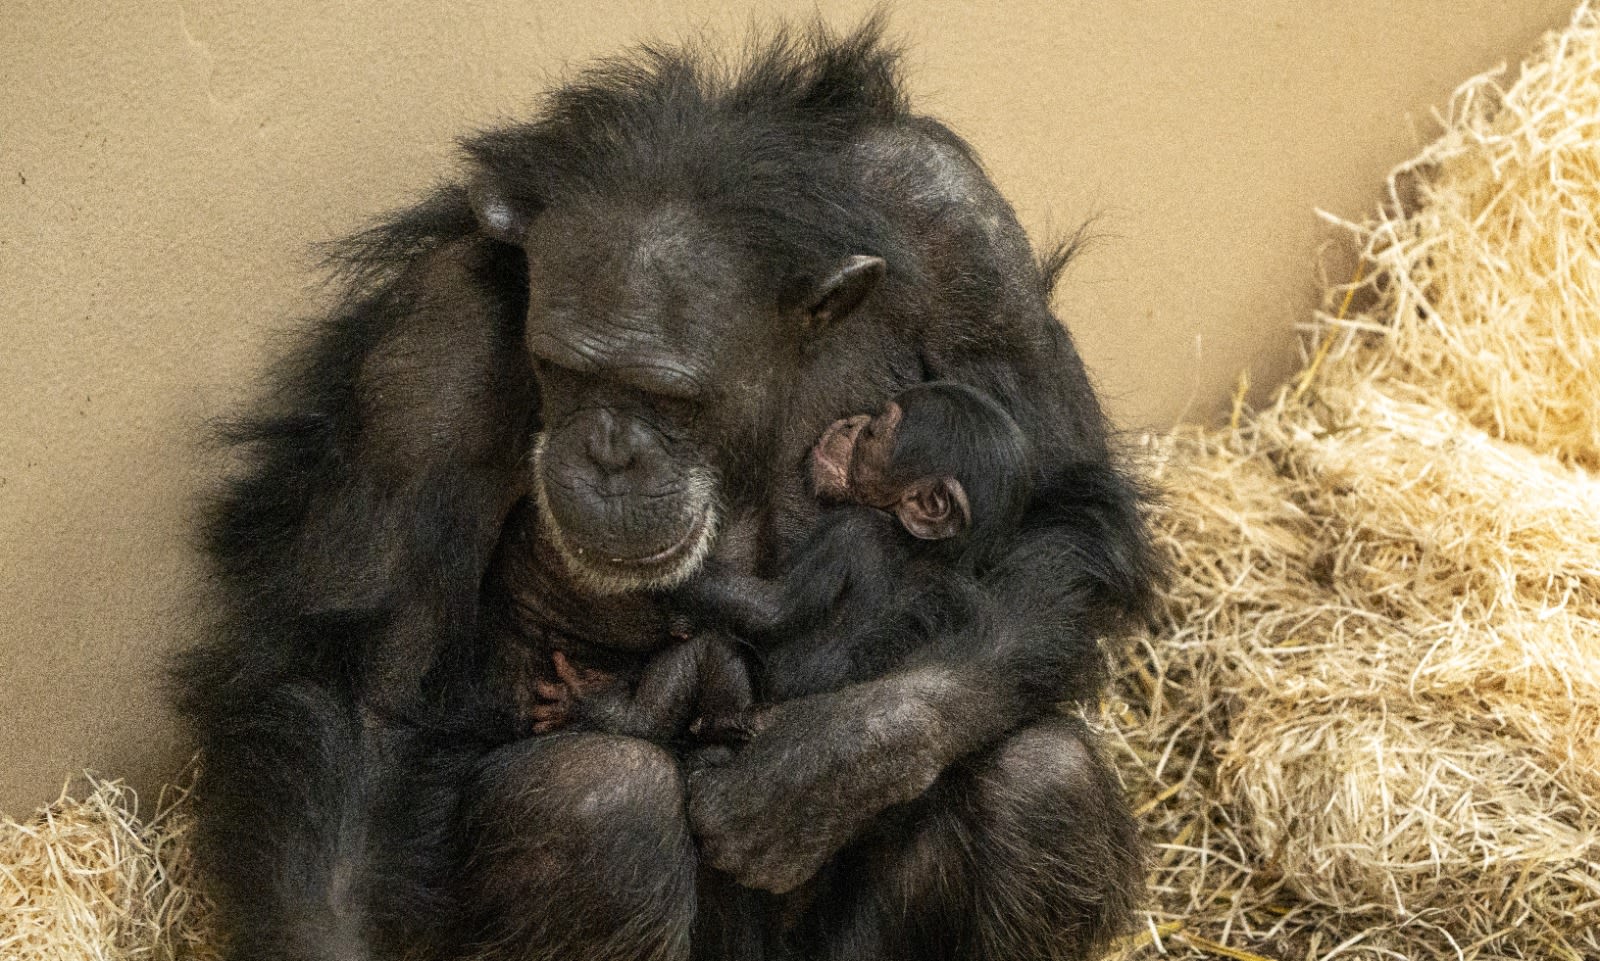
(667, 556)
(603, 569)
(607, 573)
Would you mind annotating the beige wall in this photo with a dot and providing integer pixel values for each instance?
(164, 165)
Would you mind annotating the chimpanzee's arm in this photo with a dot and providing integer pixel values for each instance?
(741, 602)
(379, 475)
(847, 557)
(920, 602)
(833, 761)
(346, 555)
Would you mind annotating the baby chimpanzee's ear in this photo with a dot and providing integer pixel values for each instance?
(934, 509)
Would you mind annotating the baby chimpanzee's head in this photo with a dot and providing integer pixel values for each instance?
(943, 458)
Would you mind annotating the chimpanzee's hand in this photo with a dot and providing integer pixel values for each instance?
(819, 769)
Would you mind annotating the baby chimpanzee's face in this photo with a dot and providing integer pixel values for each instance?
(830, 458)
(853, 461)
(872, 475)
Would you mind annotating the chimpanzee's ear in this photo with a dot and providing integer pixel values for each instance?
(844, 289)
(498, 216)
(934, 509)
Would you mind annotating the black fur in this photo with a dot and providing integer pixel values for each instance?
(382, 603)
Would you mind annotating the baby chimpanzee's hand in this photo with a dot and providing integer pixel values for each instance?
(560, 698)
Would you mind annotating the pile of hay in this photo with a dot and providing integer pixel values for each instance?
(89, 880)
(1372, 726)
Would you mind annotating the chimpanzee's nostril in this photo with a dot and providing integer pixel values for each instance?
(611, 444)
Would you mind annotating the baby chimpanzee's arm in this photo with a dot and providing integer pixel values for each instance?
(847, 566)
(928, 601)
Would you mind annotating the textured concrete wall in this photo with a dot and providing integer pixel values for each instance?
(164, 165)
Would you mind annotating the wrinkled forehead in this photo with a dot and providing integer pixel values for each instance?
(625, 284)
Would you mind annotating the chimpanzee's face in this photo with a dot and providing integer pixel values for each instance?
(653, 365)
(658, 349)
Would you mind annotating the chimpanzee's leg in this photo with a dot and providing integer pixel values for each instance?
(581, 852)
(1026, 852)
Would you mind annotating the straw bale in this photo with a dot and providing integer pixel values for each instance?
(1371, 726)
(1491, 276)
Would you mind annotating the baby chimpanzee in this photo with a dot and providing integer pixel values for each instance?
(924, 487)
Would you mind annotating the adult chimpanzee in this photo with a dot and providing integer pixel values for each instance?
(938, 476)
(551, 395)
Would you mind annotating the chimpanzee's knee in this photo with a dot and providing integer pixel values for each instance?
(1025, 851)
(1058, 863)
(582, 851)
